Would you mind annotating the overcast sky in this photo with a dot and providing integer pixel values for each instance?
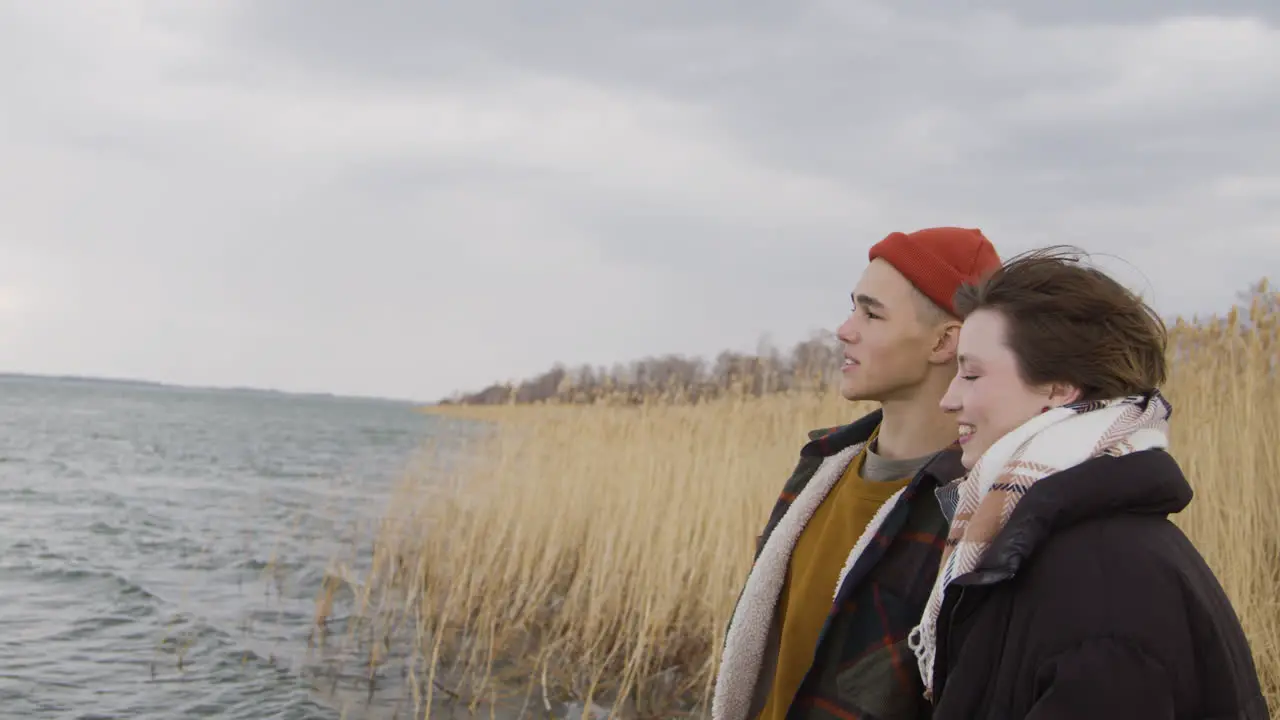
(408, 198)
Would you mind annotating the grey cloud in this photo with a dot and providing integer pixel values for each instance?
(841, 82)
(1092, 11)
(407, 198)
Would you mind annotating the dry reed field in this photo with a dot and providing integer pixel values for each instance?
(596, 552)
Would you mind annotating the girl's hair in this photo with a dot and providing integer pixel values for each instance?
(1067, 322)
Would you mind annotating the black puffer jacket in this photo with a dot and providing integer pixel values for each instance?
(1091, 604)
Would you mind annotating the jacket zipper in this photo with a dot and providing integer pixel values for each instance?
(960, 584)
(950, 648)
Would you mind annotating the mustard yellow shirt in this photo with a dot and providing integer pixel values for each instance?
(819, 556)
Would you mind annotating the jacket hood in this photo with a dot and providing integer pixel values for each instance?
(1148, 482)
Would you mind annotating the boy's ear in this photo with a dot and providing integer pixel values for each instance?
(947, 344)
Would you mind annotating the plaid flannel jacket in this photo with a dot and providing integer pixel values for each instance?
(862, 668)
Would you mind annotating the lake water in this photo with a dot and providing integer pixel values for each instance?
(161, 549)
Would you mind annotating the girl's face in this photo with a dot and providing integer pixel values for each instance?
(988, 393)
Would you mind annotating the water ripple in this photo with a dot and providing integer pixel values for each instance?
(161, 549)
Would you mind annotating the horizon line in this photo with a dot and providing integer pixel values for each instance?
(247, 389)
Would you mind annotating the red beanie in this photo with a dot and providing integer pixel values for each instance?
(939, 260)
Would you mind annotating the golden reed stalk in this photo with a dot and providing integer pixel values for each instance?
(597, 552)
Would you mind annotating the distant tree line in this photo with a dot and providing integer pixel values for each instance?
(812, 364)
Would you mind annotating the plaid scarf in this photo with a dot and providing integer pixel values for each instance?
(1044, 445)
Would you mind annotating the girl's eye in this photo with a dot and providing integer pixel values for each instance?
(970, 378)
